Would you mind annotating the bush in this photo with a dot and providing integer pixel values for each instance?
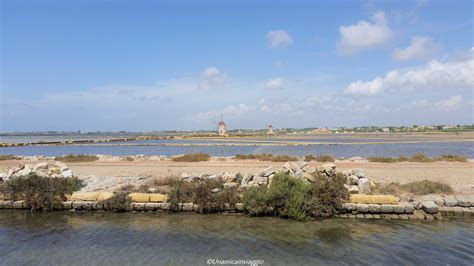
(427, 187)
(377, 159)
(266, 157)
(325, 158)
(421, 158)
(452, 158)
(71, 158)
(195, 157)
(129, 159)
(41, 192)
(309, 158)
(118, 202)
(9, 157)
(418, 188)
(296, 199)
(200, 193)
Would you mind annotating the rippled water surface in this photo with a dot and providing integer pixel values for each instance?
(150, 238)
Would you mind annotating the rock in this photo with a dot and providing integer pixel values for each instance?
(465, 201)
(215, 190)
(245, 181)
(229, 177)
(294, 167)
(268, 171)
(450, 201)
(3, 176)
(61, 165)
(298, 174)
(364, 186)
(408, 207)
(358, 172)
(184, 175)
(260, 180)
(374, 208)
(363, 207)
(42, 174)
(353, 189)
(23, 172)
(239, 206)
(286, 166)
(430, 207)
(40, 166)
(399, 208)
(215, 176)
(386, 208)
(309, 177)
(301, 164)
(352, 180)
(372, 184)
(328, 168)
(67, 174)
(230, 185)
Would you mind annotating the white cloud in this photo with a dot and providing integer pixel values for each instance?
(450, 103)
(364, 35)
(274, 84)
(278, 38)
(212, 78)
(421, 47)
(435, 75)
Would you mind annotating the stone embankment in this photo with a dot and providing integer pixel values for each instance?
(360, 204)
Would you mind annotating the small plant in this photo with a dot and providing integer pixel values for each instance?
(41, 192)
(421, 158)
(325, 158)
(309, 158)
(452, 158)
(377, 159)
(118, 202)
(9, 157)
(195, 157)
(266, 157)
(71, 158)
(129, 159)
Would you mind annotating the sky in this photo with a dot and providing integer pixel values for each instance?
(162, 65)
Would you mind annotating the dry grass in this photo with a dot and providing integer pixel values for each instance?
(71, 158)
(419, 158)
(423, 187)
(9, 157)
(129, 159)
(195, 157)
(266, 157)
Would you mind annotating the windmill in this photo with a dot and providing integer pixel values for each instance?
(222, 128)
(270, 129)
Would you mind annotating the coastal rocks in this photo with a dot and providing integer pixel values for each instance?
(56, 170)
(363, 185)
(430, 207)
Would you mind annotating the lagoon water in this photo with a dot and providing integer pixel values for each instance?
(59, 238)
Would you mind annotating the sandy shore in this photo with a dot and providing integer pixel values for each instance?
(459, 175)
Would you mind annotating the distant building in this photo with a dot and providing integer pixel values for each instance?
(386, 129)
(222, 128)
(321, 131)
(270, 130)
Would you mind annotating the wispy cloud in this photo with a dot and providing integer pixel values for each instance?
(279, 38)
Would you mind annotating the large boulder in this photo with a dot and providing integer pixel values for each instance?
(328, 168)
(358, 172)
(23, 172)
(268, 171)
(260, 180)
(430, 207)
(230, 185)
(364, 185)
(245, 181)
(352, 180)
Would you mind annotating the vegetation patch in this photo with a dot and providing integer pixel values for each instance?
(419, 158)
(118, 202)
(293, 198)
(423, 187)
(195, 157)
(71, 158)
(41, 192)
(266, 157)
(129, 159)
(209, 195)
(319, 158)
(9, 157)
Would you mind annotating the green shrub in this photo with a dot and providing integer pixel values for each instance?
(327, 195)
(296, 199)
(452, 158)
(9, 157)
(195, 157)
(118, 202)
(71, 158)
(41, 192)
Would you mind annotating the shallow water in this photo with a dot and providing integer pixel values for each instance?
(151, 239)
(432, 149)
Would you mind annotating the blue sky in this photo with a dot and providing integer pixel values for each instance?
(156, 65)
